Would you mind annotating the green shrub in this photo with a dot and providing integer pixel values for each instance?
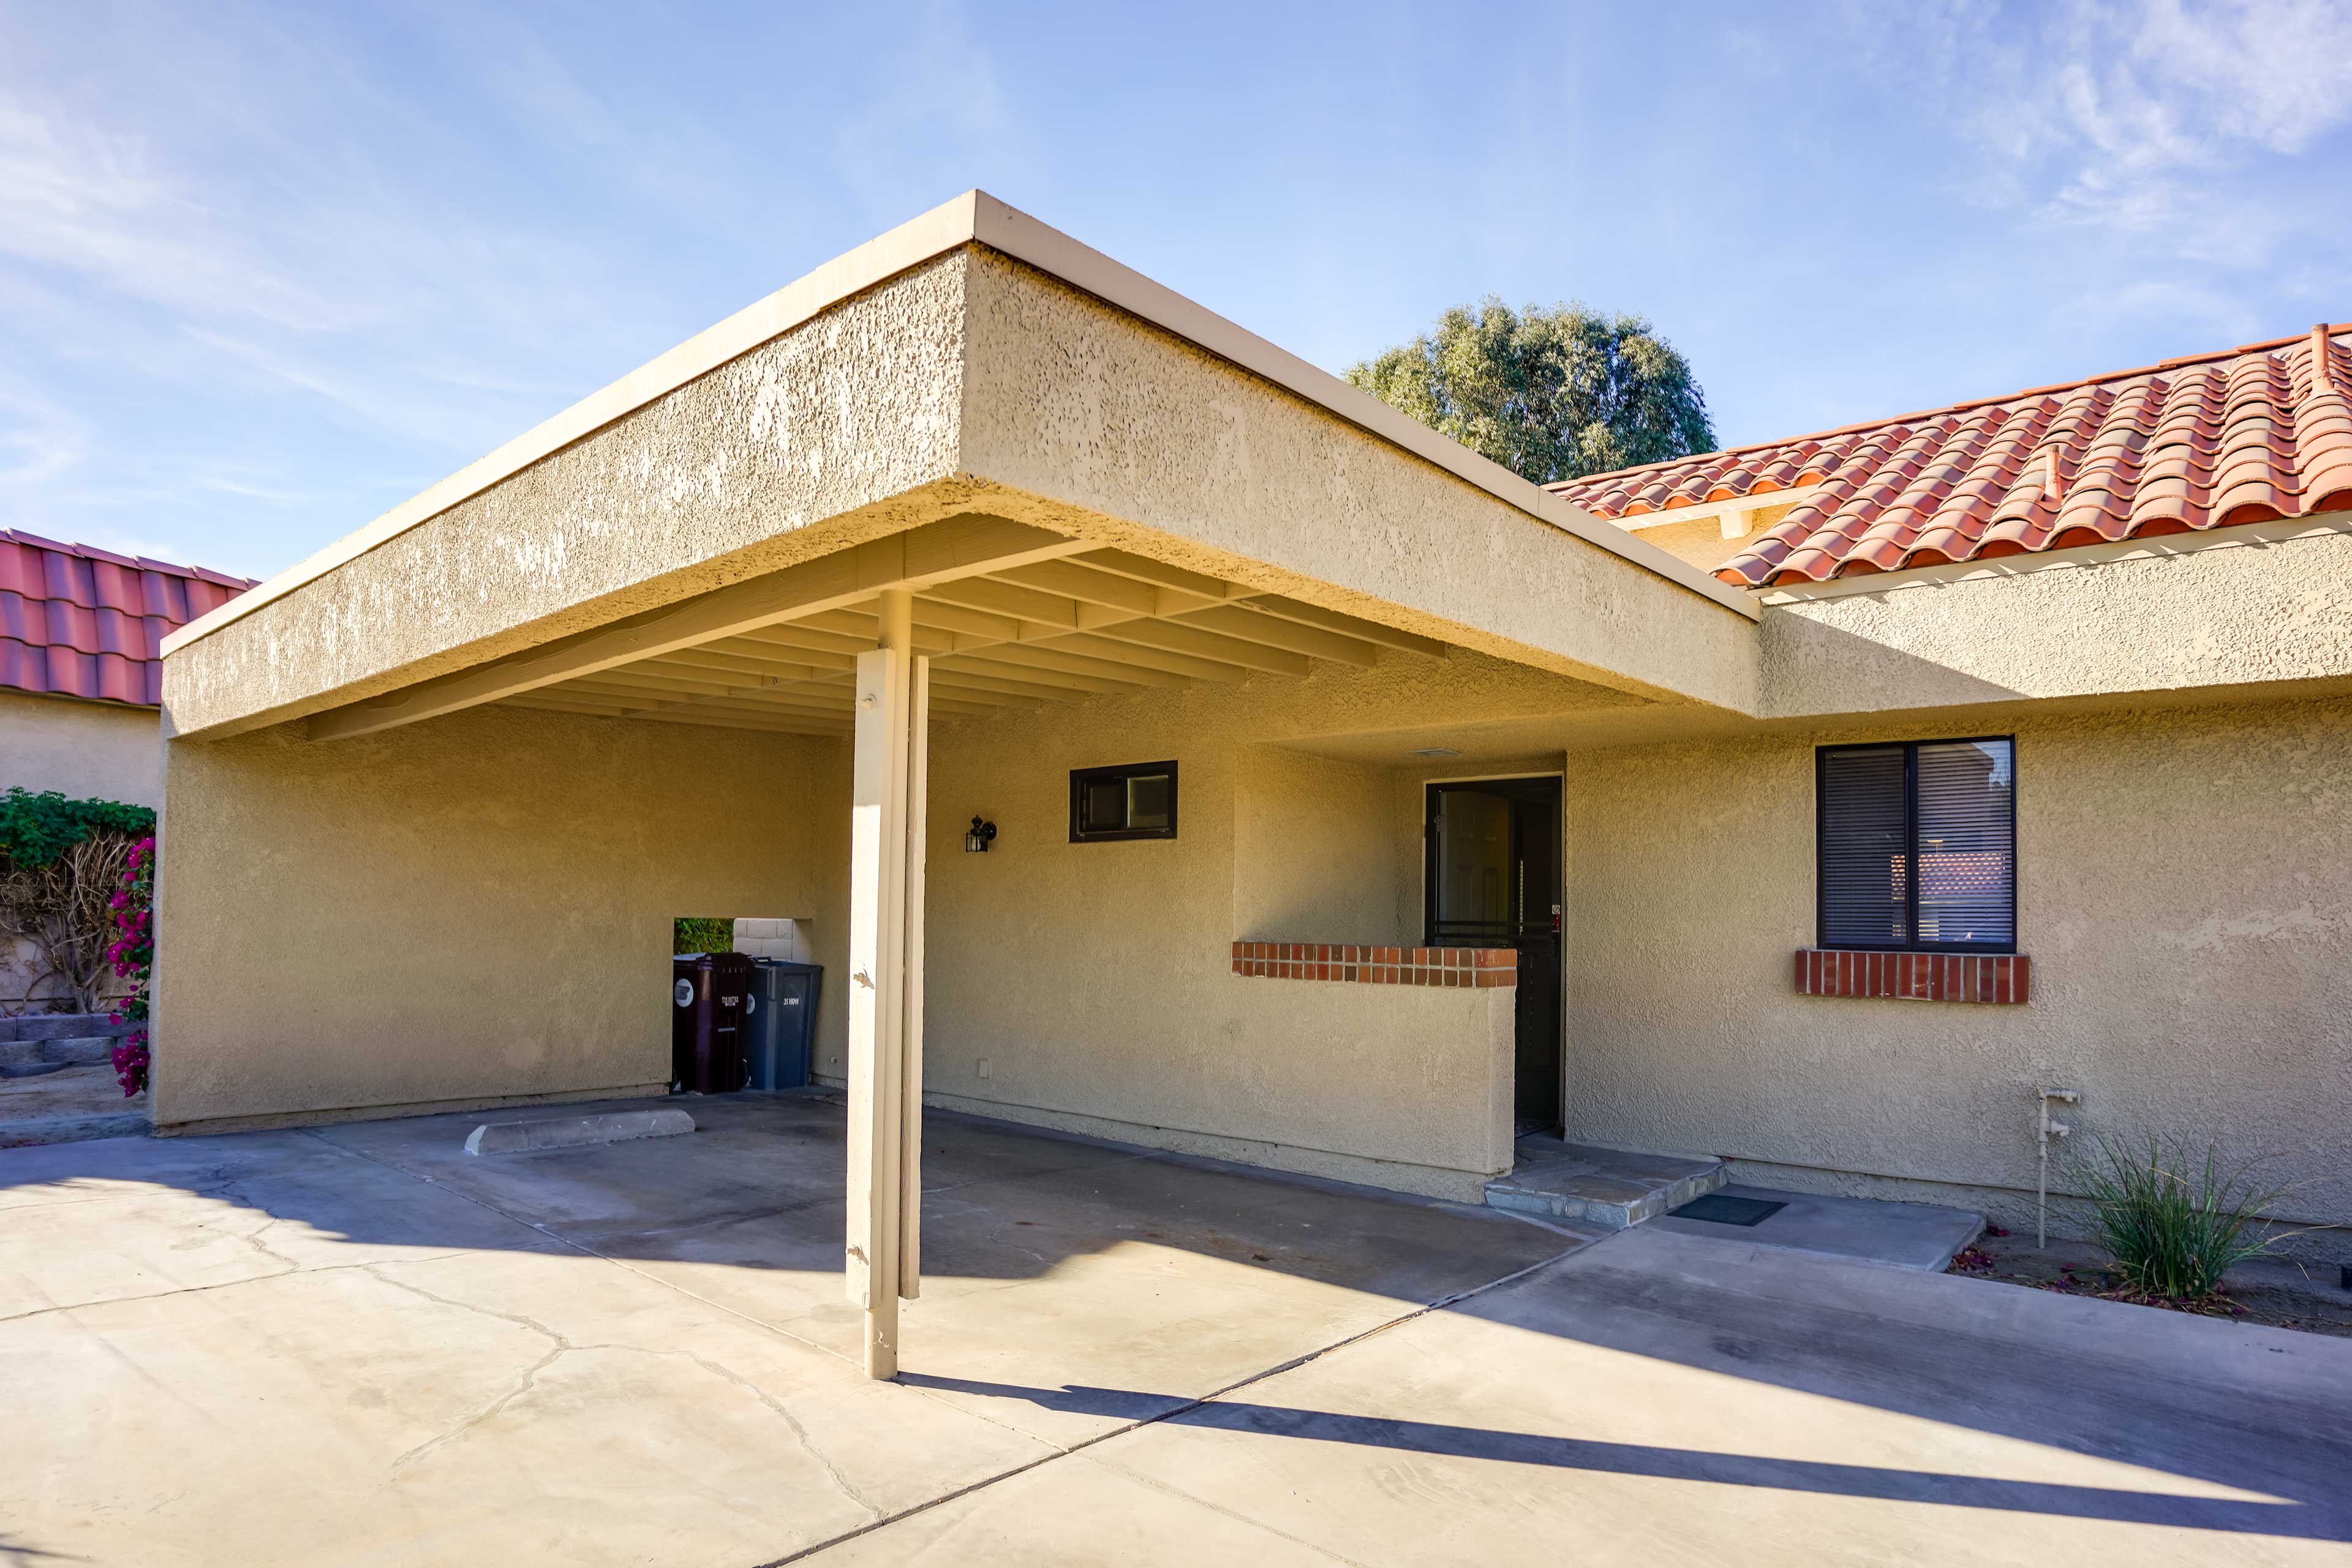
(35, 829)
(2174, 1223)
(702, 933)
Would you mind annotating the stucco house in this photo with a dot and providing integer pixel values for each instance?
(82, 678)
(1359, 804)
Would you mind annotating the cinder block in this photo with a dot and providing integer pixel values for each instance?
(68, 1026)
(87, 1049)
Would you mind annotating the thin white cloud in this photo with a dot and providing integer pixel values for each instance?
(2140, 117)
(39, 441)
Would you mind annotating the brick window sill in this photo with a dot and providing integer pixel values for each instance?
(1472, 968)
(2000, 978)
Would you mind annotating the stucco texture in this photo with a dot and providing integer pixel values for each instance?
(92, 750)
(2185, 891)
(1157, 442)
(819, 438)
(470, 910)
(1094, 980)
(2233, 616)
(972, 382)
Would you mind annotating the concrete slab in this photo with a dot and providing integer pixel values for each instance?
(1907, 1236)
(297, 1348)
(484, 1409)
(1076, 1514)
(1660, 1399)
(1117, 1267)
(1583, 1184)
(306, 1205)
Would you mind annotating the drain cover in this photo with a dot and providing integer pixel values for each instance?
(1721, 1209)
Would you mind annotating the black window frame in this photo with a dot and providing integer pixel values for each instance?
(1910, 848)
(1081, 777)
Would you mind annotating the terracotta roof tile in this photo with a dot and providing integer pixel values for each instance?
(78, 621)
(2244, 435)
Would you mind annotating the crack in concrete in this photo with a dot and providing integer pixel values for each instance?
(1184, 1408)
(562, 1346)
(840, 1482)
(219, 1285)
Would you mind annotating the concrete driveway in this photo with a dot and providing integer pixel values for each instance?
(361, 1345)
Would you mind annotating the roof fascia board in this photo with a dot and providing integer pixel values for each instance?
(1634, 522)
(974, 216)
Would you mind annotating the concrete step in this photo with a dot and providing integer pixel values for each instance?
(1613, 1188)
(1923, 1236)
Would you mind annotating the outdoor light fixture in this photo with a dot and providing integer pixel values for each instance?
(976, 841)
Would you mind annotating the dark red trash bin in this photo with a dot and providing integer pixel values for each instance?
(708, 1003)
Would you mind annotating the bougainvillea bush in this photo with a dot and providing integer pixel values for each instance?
(61, 861)
(133, 957)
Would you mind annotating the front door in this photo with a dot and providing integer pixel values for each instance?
(1494, 882)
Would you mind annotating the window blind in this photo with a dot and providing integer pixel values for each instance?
(1967, 843)
(1918, 845)
(1865, 826)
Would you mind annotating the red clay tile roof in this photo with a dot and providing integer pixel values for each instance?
(2244, 435)
(75, 621)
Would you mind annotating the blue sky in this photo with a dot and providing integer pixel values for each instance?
(267, 271)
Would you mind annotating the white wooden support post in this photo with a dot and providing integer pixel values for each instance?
(910, 1060)
(884, 908)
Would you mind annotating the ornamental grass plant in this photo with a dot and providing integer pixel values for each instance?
(2175, 1222)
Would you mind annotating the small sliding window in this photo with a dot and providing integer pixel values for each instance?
(1134, 800)
(1917, 843)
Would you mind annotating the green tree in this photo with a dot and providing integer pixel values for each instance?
(1550, 394)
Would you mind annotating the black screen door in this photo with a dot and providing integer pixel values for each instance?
(1493, 880)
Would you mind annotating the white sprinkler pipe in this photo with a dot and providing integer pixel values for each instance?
(2044, 1131)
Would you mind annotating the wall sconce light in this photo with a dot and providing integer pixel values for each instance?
(976, 842)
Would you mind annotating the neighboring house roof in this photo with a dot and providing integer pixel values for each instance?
(75, 621)
(2244, 435)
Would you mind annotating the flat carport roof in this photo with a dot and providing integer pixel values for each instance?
(1097, 480)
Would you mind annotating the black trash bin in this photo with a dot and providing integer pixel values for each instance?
(711, 996)
(783, 1023)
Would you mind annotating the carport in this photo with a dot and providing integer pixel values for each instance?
(921, 536)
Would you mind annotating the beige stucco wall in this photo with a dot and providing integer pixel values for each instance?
(468, 910)
(92, 750)
(1092, 980)
(1317, 854)
(2185, 891)
(2234, 611)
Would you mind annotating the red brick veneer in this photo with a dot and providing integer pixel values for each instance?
(1477, 968)
(1914, 976)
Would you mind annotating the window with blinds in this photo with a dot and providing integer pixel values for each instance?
(1917, 843)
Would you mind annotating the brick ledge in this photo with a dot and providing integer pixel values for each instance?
(1475, 968)
(2002, 978)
